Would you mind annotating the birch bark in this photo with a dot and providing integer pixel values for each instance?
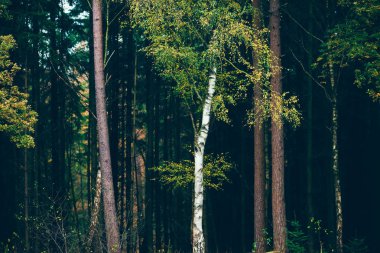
(335, 168)
(200, 141)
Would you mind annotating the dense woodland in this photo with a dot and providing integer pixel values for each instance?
(189, 126)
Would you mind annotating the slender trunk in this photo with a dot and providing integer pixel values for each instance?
(26, 175)
(136, 213)
(112, 230)
(278, 194)
(309, 133)
(57, 168)
(166, 194)
(178, 199)
(259, 162)
(95, 210)
(73, 199)
(35, 78)
(91, 136)
(26, 200)
(335, 165)
(123, 158)
(157, 189)
(268, 171)
(114, 116)
(243, 187)
(148, 235)
(128, 36)
(62, 107)
(55, 139)
(200, 142)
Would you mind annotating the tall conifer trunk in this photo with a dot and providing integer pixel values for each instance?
(278, 191)
(112, 230)
(259, 162)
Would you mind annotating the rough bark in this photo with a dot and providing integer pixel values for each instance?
(201, 137)
(95, 210)
(112, 230)
(278, 195)
(259, 162)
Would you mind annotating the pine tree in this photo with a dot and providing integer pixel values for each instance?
(112, 229)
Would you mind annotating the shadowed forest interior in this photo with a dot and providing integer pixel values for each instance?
(189, 126)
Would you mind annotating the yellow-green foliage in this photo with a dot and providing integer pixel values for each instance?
(278, 107)
(181, 174)
(17, 119)
(188, 37)
(355, 43)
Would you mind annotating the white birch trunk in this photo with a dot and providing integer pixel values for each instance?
(200, 141)
(335, 153)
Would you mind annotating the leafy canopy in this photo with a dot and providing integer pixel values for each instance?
(355, 43)
(17, 119)
(189, 37)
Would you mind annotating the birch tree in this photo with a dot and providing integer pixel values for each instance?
(201, 46)
(353, 44)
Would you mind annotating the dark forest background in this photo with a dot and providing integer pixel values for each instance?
(148, 126)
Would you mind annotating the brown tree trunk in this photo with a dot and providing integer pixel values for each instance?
(259, 162)
(278, 191)
(112, 230)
